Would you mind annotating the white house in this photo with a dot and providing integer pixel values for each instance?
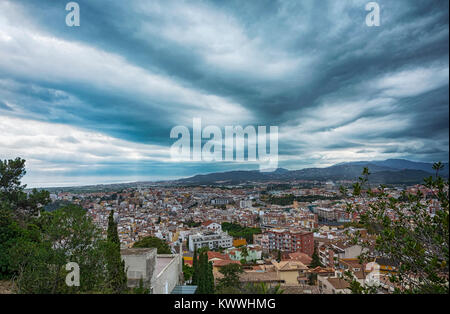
(213, 226)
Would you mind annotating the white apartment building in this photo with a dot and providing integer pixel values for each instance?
(213, 240)
(220, 201)
(245, 203)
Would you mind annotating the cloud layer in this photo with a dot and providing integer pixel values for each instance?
(96, 103)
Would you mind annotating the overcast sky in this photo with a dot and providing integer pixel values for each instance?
(96, 103)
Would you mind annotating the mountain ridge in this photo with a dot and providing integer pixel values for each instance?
(389, 171)
(341, 171)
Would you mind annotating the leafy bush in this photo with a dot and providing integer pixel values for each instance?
(153, 242)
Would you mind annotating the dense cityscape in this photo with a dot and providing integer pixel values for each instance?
(283, 238)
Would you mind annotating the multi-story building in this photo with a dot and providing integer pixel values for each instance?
(331, 253)
(288, 241)
(212, 240)
(220, 201)
(245, 204)
(327, 214)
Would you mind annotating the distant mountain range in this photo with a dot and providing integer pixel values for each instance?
(390, 171)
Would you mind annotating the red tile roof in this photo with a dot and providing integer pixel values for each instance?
(220, 263)
(218, 255)
(301, 257)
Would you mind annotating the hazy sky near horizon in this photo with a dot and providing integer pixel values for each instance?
(96, 103)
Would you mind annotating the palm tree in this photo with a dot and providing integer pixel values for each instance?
(244, 252)
(277, 290)
(263, 288)
(438, 166)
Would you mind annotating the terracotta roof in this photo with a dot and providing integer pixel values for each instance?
(289, 265)
(338, 283)
(352, 262)
(257, 267)
(220, 262)
(217, 255)
(300, 289)
(254, 276)
(321, 270)
(301, 257)
(360, 274)
(207, 223)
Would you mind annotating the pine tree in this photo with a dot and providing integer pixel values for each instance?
(315, 262)
(315, 259)
(112, 235)
(202, 272)
(205, 279)
(210, 278)
(195, 267)
(117, 278)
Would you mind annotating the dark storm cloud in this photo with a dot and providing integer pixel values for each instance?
(337, 89)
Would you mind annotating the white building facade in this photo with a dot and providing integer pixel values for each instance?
(212, 240)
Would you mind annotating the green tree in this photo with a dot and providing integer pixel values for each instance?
(65, 235)
(210, 278)
(141, 289)
(261, 288)
(112, 232)
(12, 195)
(237, 231)
(201, 274)
(244, 252)
(10, 233)
(36, 245)
(11, 172)
(438, 166)
(117, 278)
(153, 242)
(205, 280)
(407, 234)
(315, 262)
(230, 282)
(188, 271)
(278, 256)
(312, 279)
(195, 268)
